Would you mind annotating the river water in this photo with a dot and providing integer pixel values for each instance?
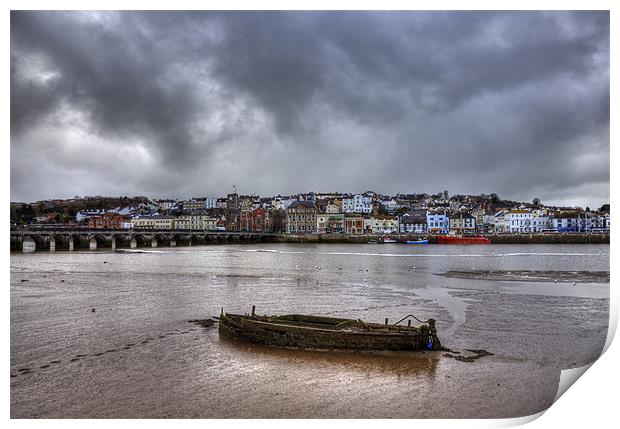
(137, 355)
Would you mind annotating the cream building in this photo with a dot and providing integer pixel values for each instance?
(153, 222)
(381, 225)
(200, 222)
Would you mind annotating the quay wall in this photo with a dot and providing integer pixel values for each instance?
(568, 238)
(68, 241)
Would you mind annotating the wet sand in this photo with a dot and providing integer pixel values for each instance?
(151, 349)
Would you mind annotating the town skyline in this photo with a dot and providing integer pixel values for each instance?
(314, 214)
(188, 196)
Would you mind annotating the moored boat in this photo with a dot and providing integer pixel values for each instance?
(388, 240)
(417, 241)
(453, 239)
(331, 333)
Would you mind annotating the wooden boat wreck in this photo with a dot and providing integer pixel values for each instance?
(330, 333)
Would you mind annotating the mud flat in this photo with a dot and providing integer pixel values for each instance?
(532, 276)
(152, 349)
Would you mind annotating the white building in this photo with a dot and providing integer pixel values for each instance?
(166, 204)
(524, 221)
(488, 223)
(210, 202)
(414, 222)
(437, 222)
(539, 223)
(599, 223)
(518, 221)
(332, 208)
(282, 203)
(390, 205)
(357, 204)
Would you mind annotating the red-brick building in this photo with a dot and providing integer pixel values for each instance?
(354, 225)
(256, 220)
(107, 221)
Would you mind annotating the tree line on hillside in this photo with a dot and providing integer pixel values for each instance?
(64, 211)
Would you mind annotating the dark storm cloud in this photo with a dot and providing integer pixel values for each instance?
(182, 103)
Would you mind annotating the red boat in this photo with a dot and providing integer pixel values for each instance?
(453, 239)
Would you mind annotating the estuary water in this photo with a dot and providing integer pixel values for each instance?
(106, 334)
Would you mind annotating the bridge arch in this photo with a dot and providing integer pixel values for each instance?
(96, 241)
(159, 240)
(32, 243)
(196, 239)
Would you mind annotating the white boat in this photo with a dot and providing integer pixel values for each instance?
(417, 241)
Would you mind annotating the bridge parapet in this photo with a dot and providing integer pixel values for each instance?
(70, 238)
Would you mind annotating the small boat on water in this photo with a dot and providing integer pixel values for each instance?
(417, 241)
(388, 240)
(330, 333)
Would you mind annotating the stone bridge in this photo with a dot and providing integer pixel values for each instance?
(52, 239)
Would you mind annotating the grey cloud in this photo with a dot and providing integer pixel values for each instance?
(292, 101)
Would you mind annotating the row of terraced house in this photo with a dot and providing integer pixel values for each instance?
(352, 214)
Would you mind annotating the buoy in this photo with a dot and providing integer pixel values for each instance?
(92, 310)
(364, 280)
(555, 281)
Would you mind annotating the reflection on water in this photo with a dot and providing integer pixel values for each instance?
(137, 356)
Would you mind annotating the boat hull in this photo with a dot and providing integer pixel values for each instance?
(417, 242)
(447, 239)
(305, 335)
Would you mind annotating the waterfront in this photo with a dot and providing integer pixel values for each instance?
(137, 355)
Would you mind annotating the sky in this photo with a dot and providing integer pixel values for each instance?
(181, 104)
